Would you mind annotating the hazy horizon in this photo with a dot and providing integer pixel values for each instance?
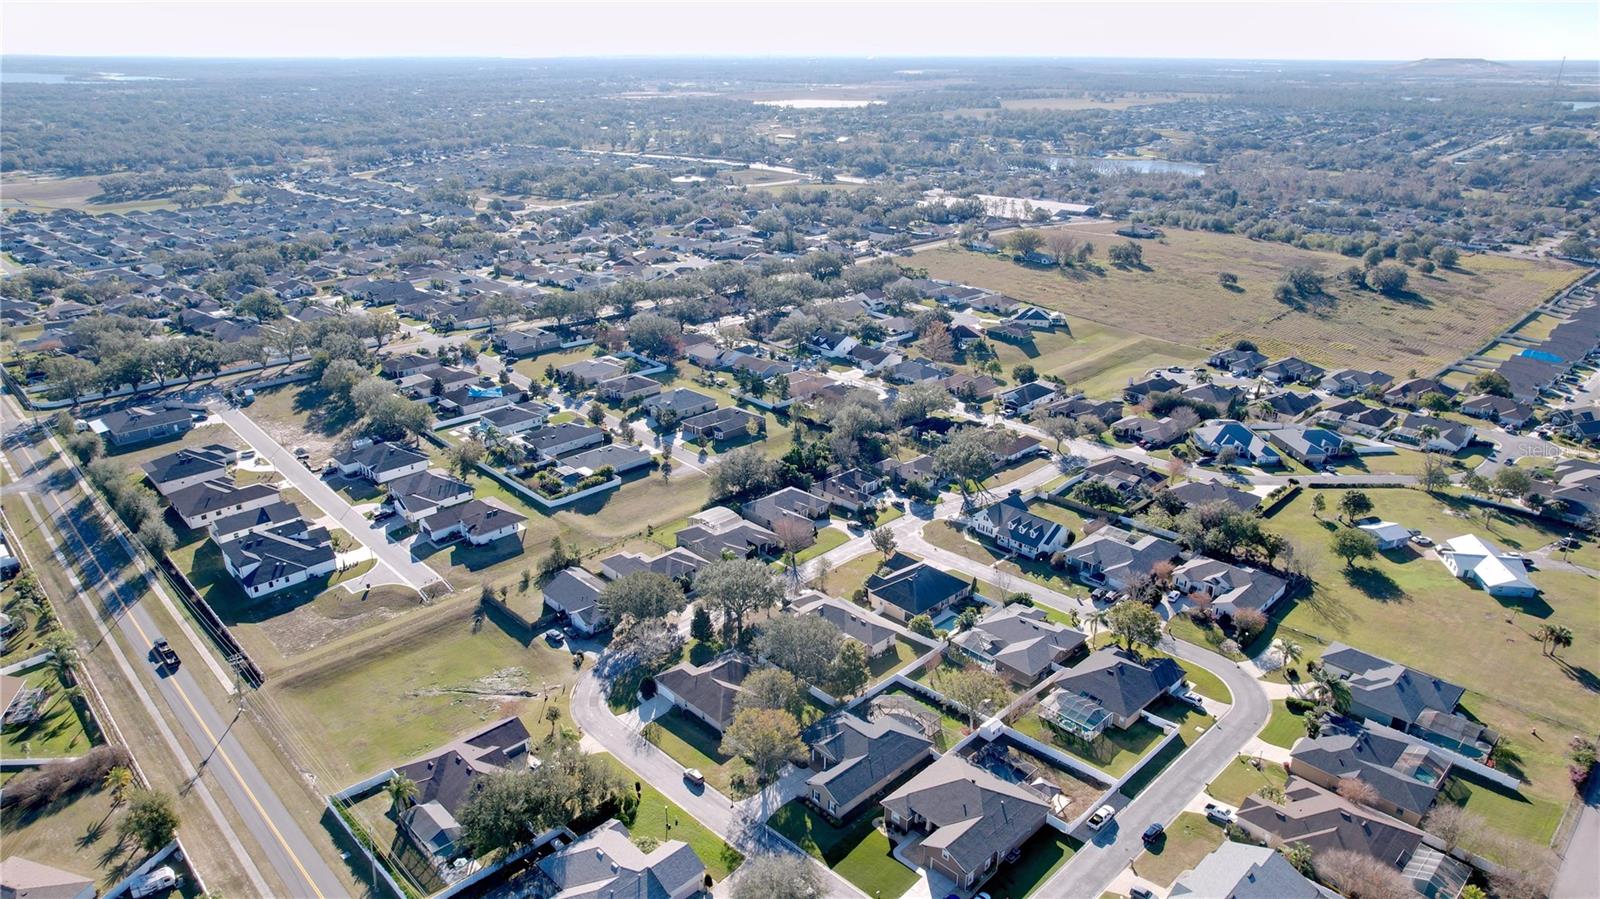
(1239, 31)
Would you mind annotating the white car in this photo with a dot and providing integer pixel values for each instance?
(1101, 817)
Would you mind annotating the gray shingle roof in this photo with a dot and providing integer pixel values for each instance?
(973, 814)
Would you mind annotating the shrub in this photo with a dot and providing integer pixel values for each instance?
(1298, 705)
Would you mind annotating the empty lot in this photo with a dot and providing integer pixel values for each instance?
(1176, 298)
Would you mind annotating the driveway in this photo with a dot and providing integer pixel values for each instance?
(395, 558)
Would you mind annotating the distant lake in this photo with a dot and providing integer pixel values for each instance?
(32, 78)
(56, 78)
(819, 103)
(1136, 166)
(1583, 104)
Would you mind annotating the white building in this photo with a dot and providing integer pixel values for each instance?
(1478, 561)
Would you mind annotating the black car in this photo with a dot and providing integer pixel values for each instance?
(164, 654)
(1153, 834)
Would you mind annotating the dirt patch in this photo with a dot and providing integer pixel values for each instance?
(299, 628)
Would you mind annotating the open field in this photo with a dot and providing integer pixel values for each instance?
(377, 708)
(1176, 298)
(858, 851)
(59, 729)
(47, 194)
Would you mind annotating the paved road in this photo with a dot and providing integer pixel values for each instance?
(739, 823)
(1579, 877)
(1108, 853)
(102, 564)
(393, 556)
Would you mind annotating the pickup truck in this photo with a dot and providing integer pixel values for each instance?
(164, 655)
(1218, 815)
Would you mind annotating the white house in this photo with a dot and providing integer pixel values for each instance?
(379, 463)
(477, 520)
(278, 558)
(1388, 534)
(1478, 561)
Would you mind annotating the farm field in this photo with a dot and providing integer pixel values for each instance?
(1177, 298)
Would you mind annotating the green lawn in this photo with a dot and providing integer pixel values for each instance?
(844, 580)
(77, 833)
(1189, 839)
(59, 731)
(827, 538)
(886, 664)
(1153, 768)
(1191, 721)
(1531, 818)
(1284, 727)
(1241, 780)
(1205, 683)
(1185, 628)
(1114, 752)
(652, 815)
(952, 728)
(1042, 855)
(858, 851)
(693, 745)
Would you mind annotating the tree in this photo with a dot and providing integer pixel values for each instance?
(402, 792)
(1354, 504)
(150, 821)
(1228, 280)
(119, 780)
(921, 625)
(779, 877)
(157, 536)
(1096, 493)
(1360, 875)
(87, 446)
(1453, 824)
(771, 688)
(1063, 246)
(464, 457)
(937, 343)
(849, 671)
(1388, 279)
(1319, 504)
(1447, 257)
(737, 587)
(507, 809)
(977, 690)
(742, 471)
(883, 541)
(965, 459)
(654, 335)
(1288, 651)
(63, 649)
(1024, 374)
(1298, 855)
(1352, 544)
(1491, 383)
(1247, 623)
(700, 624)
(766, 738)
(1024, 241)
(1134, 624)
(643, 595)
(1358, 791)
(921, 401)
(1435, 475)
(1126, 255)
(803, 645)
(1059, 428)
(1509, 480)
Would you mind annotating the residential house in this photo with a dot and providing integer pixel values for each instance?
(717, 530)
(514, 419)
(1012, 527)
(278, 558)
(416, 496)
(552, 441)
(627, 388)
(971, 388)
(1388, 534)
(576, 594)
(876, 638)
(917, 473)
(1291, 404)
(719, 425)
(1126, 476)
(1194, 494)
(1408, 393)
(1249, 447)
(1139, 391)
(259, 519)
(1011, 447)
(1477, 561)
(404, 365)
(1037, 319)
(1508, 412)
(709, 692)
(1315, 447)
(522, 344)
(960, 820)
(475, 399)
(24, 878)
(1239, 363)
(447, 779)
(480, 522)
(1019, 401)
(1232, 588)
(1429, 433)
(907, 588)
(1326, 822)
(618, 457)
(1397, 696)
(211, 501)
(1351, 381)
(589, 372)
(188, 467)
(792, 505)
(678, 404)
(1405, 777)
(1117, 686)
(606, 863)
(851, 490)
(126, 427)
(854, 760)
(1117, 558)
(379, 463)
(1019, 643)
(1148, 432)
(1292, 371)
(1242, 871)
(677, 563)
(1358, 417)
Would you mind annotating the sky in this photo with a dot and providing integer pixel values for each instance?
(1255, 29)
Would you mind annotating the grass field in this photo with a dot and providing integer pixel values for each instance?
(1115, 752)
(890, 662)
(388, 705)
(1189, 839)
(1240, 780)
(59, 729)
(1177, 298)
(858, 851)
(77, 833)
(1284, 727)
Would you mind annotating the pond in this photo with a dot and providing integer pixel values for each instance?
(1107, 166)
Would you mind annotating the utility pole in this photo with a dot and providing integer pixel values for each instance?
(240, 685)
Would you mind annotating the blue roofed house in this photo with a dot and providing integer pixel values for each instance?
(1215, 436)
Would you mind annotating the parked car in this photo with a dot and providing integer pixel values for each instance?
(1140, 893)
(1101, 817)
(1218, 815)
(164, 655)
(1422, 539)
(1153, 834)
(553, 637)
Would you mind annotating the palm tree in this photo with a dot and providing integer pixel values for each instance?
(552, 715)
(1288, 651)
(1549, 637)
(1560, 638)
(118, 780)
(401, 790)
(1097, 619)
(1338, 694)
